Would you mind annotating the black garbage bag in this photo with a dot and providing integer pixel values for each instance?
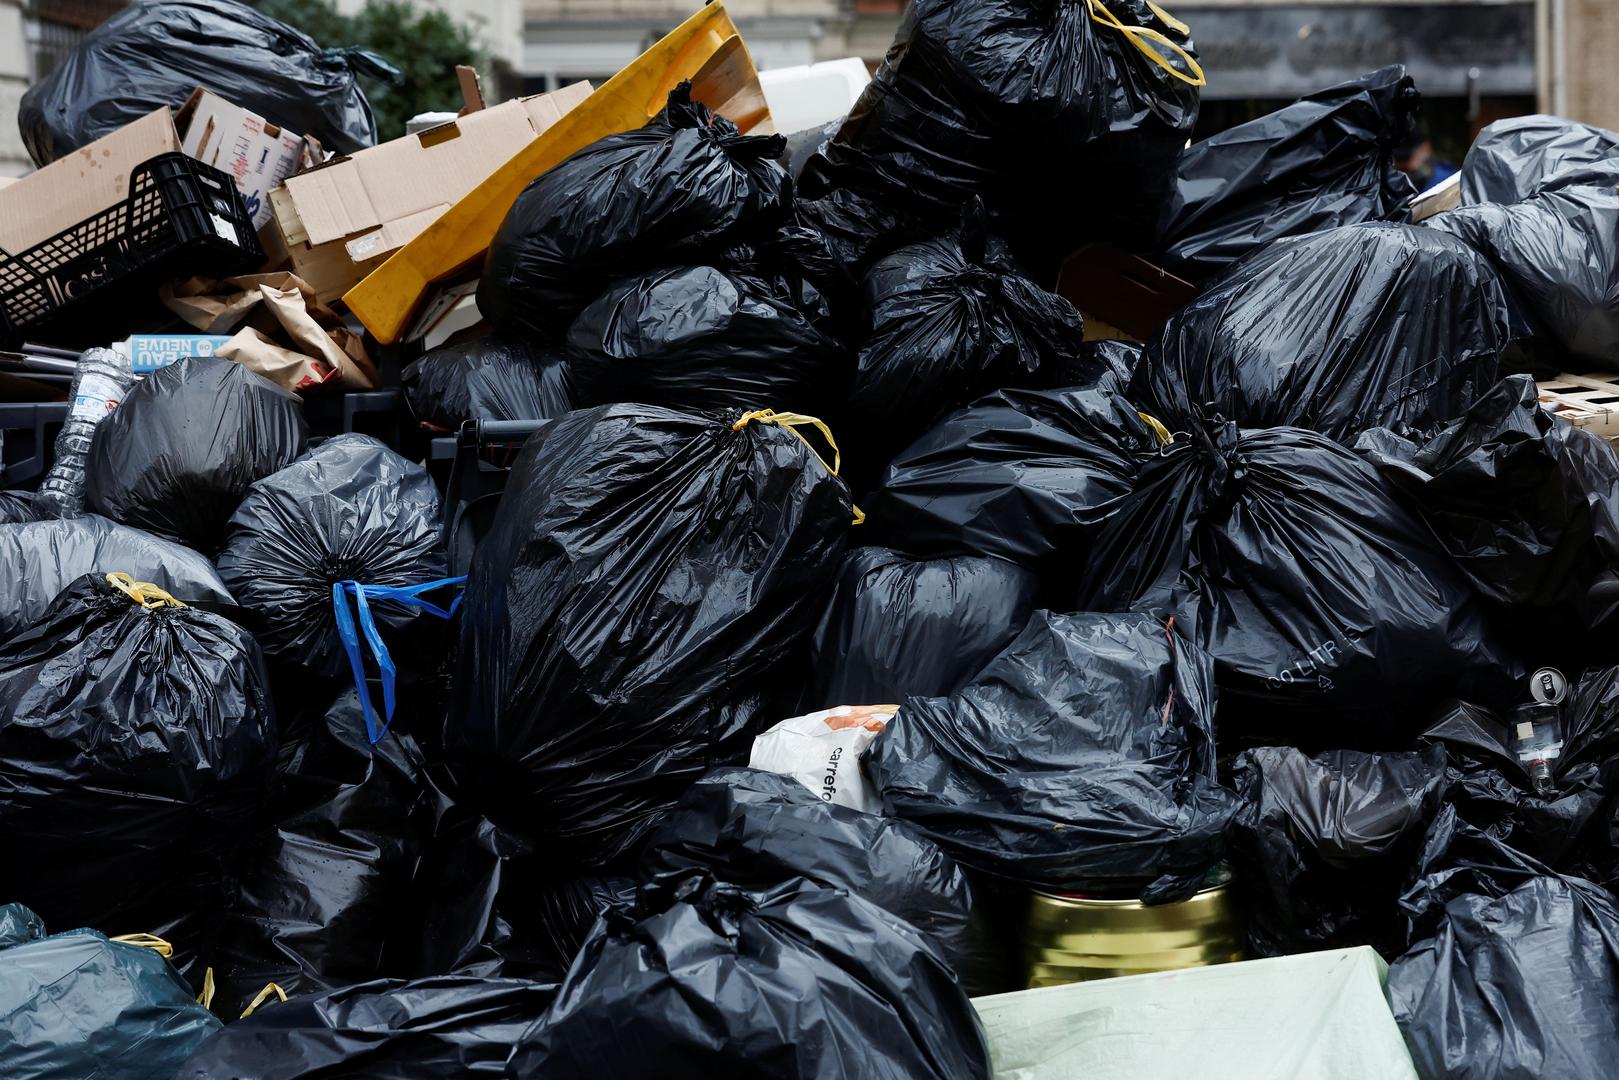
(1325, 161)
(1566, 823)
(1325, 845)
(320, 889)
(759, 829)
(1375, 325)
(421, 1029)
(1510, 159)
(898, 628)
(1121, 358)
(685, 185)
(489, 905)
(1526, 504)
(41, 558)
(349, 510)
(1022, 475)
(1066, 123)
(627, 620)
(156, 52)
(486, 379)
(704, 338)
(76, 1005)
(1080, 760)
(16, 507)
(1555, 250)
(950, 320)
(1328, 607)
(706, 979)
(135, 746)
(180, 452)
(1513, 971)
(802, 145)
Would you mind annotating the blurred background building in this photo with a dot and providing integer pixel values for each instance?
(1474, 60)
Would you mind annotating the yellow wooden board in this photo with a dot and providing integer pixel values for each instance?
(705, 49)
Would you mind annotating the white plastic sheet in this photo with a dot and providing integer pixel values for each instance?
(1316, 1016)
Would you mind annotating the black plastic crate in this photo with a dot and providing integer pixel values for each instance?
(368, 412)
(28, 441)
(481, 455)
(91, 284)
(28, 431)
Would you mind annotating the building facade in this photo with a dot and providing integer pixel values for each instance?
(1473, 59)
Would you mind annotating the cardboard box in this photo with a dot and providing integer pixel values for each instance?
(82, 184)
(1122, 296)
(1443, 196)
(340, 220)
(258, 154)
(149, 352)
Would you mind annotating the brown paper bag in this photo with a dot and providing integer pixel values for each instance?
(314, 356)
(221, 307)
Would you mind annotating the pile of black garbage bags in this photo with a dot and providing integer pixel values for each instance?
(1307, 592)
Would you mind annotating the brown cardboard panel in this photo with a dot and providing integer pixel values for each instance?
(1129, 295)
(83, 183)
(410, 175)
(258, 155)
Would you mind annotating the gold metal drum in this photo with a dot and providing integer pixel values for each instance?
(1073, 939)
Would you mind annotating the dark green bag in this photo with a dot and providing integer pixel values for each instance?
(78, 1004)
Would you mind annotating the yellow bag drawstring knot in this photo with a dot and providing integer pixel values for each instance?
(206, 998)
(1159, 431)
(792, 422)
(1140, 35)
(143, 593)
(146, 941)
(270, 989)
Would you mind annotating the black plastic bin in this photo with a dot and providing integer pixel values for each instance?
(28, 433)
(368, 412)
(95, 282)
(481, 456)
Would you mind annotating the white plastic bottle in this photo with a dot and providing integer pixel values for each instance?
(100, 383)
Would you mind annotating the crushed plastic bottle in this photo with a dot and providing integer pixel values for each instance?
(100, 383)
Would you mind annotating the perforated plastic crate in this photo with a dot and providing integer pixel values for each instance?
(89, 284)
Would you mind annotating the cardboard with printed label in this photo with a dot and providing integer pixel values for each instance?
(340, 220)
(149, 352)
(259, 155)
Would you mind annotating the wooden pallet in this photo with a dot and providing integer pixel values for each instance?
(1587, 401)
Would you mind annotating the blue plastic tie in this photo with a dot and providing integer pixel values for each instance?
(408, 596)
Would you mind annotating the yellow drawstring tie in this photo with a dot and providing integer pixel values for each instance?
(1140, 35)
(263, 996)
(206, 998)
(1159, 431)
(143, 593)
(792, 422)
(146, 941)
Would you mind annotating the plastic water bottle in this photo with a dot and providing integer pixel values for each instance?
(100, 383)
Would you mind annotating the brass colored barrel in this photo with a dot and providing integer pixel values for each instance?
(1072, 939)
